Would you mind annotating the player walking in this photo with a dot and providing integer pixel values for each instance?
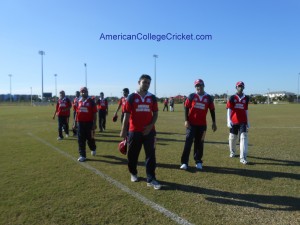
(102, 106)
(237, 121)
(122, 103)
(196, 107)
(62, 111)
(74, 104)
(141, 111)
(166, 103)
(172, 104)
(86, 117)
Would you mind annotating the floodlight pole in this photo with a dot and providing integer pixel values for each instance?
(268, 95)
(85, 75)
(42, 53)
(10, 87)
(55, 75)
(155, 57)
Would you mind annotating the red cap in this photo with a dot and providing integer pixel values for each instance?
(199, 81)
(123, 147)
(240, 83)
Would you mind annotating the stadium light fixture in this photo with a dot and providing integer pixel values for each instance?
(155, 57)
(42, 53)
(10, 87)
(85, 75)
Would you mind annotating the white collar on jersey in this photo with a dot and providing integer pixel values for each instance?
(143, 98)
(240, 98)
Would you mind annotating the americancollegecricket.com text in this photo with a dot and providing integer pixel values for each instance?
(155, 37)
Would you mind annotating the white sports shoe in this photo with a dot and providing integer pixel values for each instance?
(183, 166)
(93, 153)
(199, 166)
(134, 178)
(244, 161)
(232, 155)
(59, 138)
(67, 135)
(154, 184)
(81, 159)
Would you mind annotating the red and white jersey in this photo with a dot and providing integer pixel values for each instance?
(122, 103)
(63, 107)
(75, 101)
(238, 106)
(85, 110)
(141, 110)
(198, 107)
(102, 104)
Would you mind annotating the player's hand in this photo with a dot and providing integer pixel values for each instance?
(214, 127)
(94, 127)
(187, 124)
(248, 125)
(229, 124)
(147, 129)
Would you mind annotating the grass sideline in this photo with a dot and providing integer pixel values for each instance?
(40, 186)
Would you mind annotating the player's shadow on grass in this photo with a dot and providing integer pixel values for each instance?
(265, 175)
(162, 140)
(269, 202)
(111, 159)
(279, 162)
(170, 133)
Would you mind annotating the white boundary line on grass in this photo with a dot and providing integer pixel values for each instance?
(119, 185)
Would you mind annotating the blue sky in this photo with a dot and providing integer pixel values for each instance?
(255, 41)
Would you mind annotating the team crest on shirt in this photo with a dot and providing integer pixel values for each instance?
(137, 100)
(235, 100)
(244, 101)
(148, 100)
(205, 100)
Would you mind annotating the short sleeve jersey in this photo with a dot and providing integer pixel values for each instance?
(63, 107)
(102, 104)
(198, 107)
(122, 103)
(238, 106)
(141, 110)
(75, 101)
(85, 110)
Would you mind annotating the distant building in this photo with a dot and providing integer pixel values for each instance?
(277, 94)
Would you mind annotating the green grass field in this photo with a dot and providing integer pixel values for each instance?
(42, 183)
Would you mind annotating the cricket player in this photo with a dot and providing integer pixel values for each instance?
(74, 104)
(237, 121)
(86, 118)
(122, 103)
(102, 106)
(141, 111)
(62, 111)
(196, 107)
